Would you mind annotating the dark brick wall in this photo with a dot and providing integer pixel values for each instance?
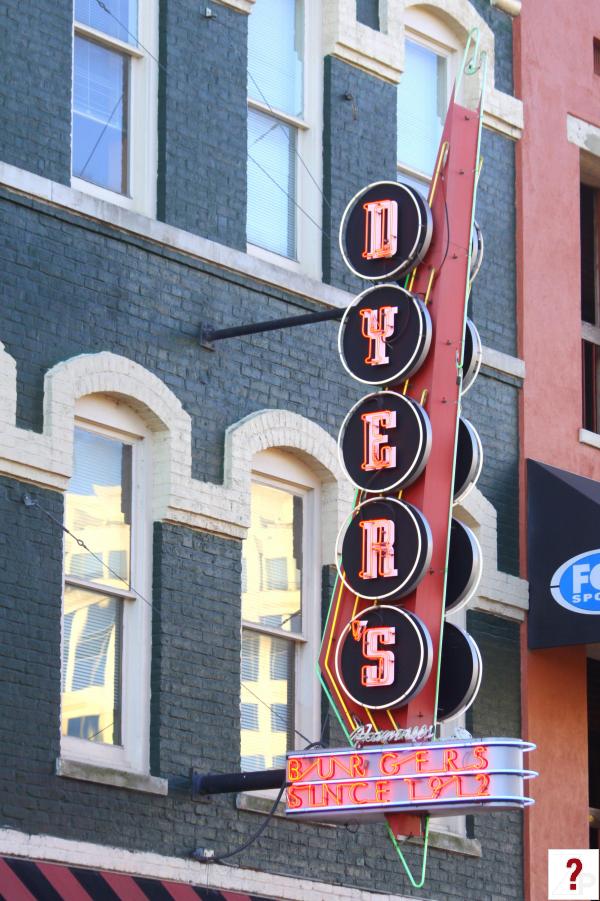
(202, 120)
(196, 651)
(71, 286)
(498, 713)
(359, 147)
(367, 12)
(502, 26)
(493, 299)
(30, 605)
(491, 405)
(35, 75)
(195, 721)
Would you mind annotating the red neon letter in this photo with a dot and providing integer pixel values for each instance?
(377, 549)
(293, 798)
(381, 229)
(358, 766)
(377, 326)
(383, 672)
(480, 754)
(354, 788)
(294, 769)
(450, 756)
(377, 454)
(382, 791)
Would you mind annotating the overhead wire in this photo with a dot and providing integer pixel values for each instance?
(31, 502)
(141, 46)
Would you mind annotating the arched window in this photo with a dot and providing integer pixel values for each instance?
(281, 591)
(107, 603)
(431, 56)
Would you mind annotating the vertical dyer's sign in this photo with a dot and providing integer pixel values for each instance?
(390, 664)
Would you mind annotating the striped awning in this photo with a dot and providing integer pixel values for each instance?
(26, 880)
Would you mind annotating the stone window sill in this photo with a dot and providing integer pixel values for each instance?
(89, 772)
(587, 437)
(445, 841)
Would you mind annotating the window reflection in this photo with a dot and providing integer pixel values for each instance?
(98, 510)
(271, 599)
(91, 666)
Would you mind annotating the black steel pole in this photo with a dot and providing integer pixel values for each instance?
(218, 784)
(237, 331)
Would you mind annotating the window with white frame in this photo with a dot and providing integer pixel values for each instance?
(281, 577)
(106, 605)
(284, 134)
(590, 305)
(422, 97)
(113, 152)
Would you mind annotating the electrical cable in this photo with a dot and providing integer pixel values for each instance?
(202, 856)
(138, 44)
(101, 135)
(30, 502)
(281, 125)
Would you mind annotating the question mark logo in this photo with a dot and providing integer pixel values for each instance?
(577, 867)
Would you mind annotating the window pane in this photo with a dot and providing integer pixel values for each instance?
(422, 102)
(271, 184)
(420, 184)
(100, 99)
(98, 510)
(120, 22)
(273, 559)
(275, 53)
(267, 730)
(588, 253)
(591, 386)
(91, 666)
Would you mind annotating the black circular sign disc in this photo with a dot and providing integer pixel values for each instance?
(464, 566)
(385, 335)
(385, 230)
(384, 549)
(472, 356)
(469, 460)
(384, 442)
(460, 673)
(383, 657)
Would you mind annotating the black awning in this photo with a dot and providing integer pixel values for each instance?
(563, 551)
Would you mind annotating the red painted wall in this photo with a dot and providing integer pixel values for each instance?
(554, 75)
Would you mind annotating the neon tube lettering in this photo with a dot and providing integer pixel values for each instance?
(377, 549)
(383, 672)
(377, 326)
(376, 453)
(381, 229)
(352, 792)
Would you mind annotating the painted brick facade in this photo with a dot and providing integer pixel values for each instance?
(359, 147)
(202, 121)
(35, 73)
(73, 285)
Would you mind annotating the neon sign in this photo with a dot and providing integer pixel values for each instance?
(435, 777)
(377, 327)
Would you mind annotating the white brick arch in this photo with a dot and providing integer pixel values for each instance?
(304, 439)
(381, 53)
(46, 459)
(115, 376)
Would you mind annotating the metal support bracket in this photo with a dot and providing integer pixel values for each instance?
(208, 336)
